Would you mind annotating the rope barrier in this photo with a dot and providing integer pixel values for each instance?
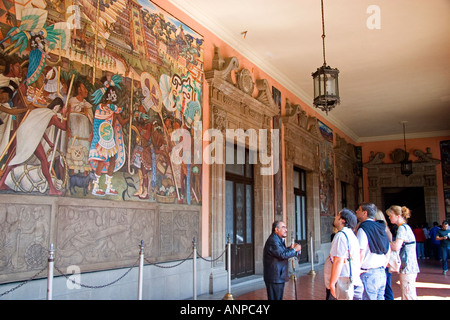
(23, 283)
(168, 267)
(100, 286)
(139, 262)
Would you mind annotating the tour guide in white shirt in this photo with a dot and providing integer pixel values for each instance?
(375, 252)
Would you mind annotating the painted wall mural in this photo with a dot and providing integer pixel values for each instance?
(90, 94)
(326, 182)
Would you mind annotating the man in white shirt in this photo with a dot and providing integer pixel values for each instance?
(375, 250)
(345, 256)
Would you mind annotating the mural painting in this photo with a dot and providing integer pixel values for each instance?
(90, 93)
(326, 182)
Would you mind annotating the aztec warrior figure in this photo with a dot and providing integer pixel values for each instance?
(88, 111)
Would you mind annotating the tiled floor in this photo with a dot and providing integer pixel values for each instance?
(431, 284)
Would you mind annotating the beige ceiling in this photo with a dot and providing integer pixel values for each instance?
(399, 72)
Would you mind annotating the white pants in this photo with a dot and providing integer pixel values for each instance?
(408, 286)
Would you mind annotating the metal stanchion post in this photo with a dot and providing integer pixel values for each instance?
(228, 295)
(293, 275)
(312, 272)
(51, 261)
(194, 267)
(141, 269)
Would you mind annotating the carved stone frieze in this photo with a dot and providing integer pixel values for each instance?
(344, 148)
(96, 236)
(24, 238)
(425, 157)
(345, 160)
(398, 155)
(376, 158)
(219, 119)
(236, 98)
(245, 81)
(264, 93)
(302, 138)
(222, 68)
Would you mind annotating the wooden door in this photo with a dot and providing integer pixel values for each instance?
(239, 220)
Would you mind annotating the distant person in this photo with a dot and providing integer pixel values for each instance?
(275, 260)
(443, 236)
(420, 241)
(435, 244)
(426, 231)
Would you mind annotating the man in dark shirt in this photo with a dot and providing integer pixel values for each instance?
(443, 235)
(375, 251)
(275, 260)
(435, 244)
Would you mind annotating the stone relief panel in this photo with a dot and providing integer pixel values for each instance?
(178, 229)
(95, 235)
(24, 238)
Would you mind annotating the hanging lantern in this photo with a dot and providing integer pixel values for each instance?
(406, 167)
(326, 84)
(326, 88)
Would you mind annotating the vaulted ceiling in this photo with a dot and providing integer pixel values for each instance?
(393, 56)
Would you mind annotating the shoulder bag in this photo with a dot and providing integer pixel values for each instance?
(344, 285)
(403, 254)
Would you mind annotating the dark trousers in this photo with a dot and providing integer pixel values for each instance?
(436, 248)
(388, 294)
(275, 290)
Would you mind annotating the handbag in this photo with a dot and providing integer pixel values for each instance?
(344, 285)
(403, 254)
(394, 262)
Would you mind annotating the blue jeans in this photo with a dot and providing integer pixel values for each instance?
(374, 281)
(420, 250)
(445, 254)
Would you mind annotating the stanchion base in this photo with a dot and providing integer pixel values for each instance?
(312, 273)
(228, 296)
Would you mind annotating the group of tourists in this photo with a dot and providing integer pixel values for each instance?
(363, 255)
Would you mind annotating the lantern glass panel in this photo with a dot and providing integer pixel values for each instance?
(316, 86)
(330, 85)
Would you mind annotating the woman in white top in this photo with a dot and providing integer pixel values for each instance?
(405, 242)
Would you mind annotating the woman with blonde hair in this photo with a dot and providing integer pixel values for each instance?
(405, 242)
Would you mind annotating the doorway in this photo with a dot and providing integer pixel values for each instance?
(411, 197)
(239, 217)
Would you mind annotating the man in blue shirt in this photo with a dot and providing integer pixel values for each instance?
(435, 244)
(443, 235)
